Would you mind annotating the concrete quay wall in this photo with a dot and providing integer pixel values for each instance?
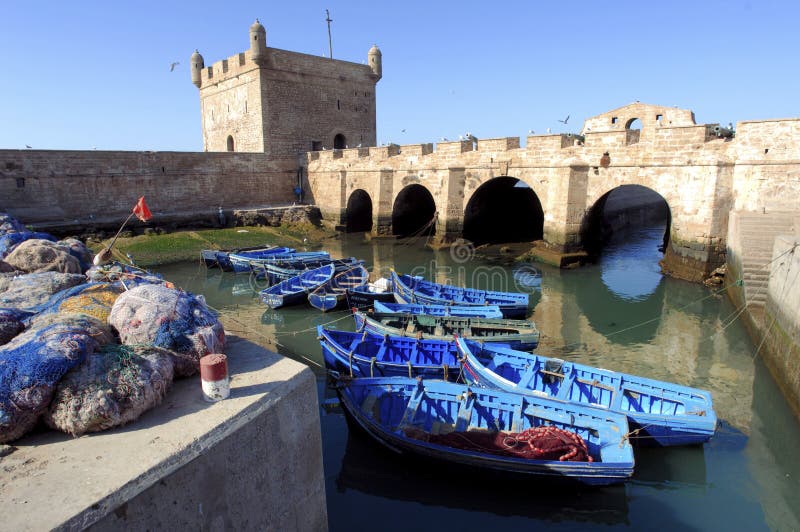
(78, 187)
(781, 325)
(250, 462)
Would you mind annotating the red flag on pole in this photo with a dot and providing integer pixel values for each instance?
(141, 211)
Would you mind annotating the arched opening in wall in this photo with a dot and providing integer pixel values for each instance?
(503, 209)
(359, 212)
(339, 142)
(627, 231)
(414, 212)
(230, 143)
(633, 131)
(634, 123)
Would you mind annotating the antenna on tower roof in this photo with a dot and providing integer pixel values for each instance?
(328, 19)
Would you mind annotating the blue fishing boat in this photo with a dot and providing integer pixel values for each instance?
(520, 334)
(470, 311)
(278, 272)
(296, 289)
(410, 289)
(491, 429)
(367, 355)
(365, 296)
(659, 413)
(332, 294)
(297, 259)
(213, 258)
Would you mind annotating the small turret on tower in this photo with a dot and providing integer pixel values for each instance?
(258, 43)
(197, 66)
(376, 61)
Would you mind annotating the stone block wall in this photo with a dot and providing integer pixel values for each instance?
(781, 349)
(68, 186)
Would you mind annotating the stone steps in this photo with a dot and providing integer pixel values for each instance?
(757, 232)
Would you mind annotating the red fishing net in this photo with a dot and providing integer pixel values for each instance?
(539, 443)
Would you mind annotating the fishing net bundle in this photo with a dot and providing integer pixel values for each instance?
(32, 364)
(9, 241)
(110, 388)
(10, 224)
(537, 443)
(94, 299)
(130, 275)
(157, 315)
(78, 249)
(10, 324)
(31, 290)
(38, 255)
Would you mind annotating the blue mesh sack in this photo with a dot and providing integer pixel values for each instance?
(111, 387)
(9, 241)
(168, 318)
(32, 364)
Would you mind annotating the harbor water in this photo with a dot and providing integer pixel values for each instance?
(619, 314)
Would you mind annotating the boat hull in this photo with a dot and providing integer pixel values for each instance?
(659, 413)
(377, 404)
(482, 330)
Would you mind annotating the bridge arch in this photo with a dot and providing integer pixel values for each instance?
(413, 211)
(359, 212)
(623, 206)
(503, 209)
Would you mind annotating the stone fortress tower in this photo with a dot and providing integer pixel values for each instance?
(285, 103)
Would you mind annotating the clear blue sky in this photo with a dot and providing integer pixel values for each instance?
(82, 74)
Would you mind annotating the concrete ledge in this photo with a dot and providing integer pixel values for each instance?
(253, 461)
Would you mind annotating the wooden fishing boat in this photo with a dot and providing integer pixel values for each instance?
(296, 289)
(365, 296)
(519, 334)
(332, 294)
(368, 355)
(410, 289)
(468, 311)
(297, 259)
(658, 412)
(491, 429)
(218, 258)
(278, 272)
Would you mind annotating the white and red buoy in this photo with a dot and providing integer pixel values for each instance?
(214, 377)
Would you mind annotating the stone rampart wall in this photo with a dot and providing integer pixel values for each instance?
(64, 186)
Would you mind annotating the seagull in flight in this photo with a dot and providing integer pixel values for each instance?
(173, 65)
(28, 146)
(565, 120)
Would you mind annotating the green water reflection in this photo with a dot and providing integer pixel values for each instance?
(619, 314)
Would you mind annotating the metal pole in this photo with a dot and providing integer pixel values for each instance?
(329, 20)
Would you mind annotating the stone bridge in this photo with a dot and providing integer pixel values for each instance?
(556, 186)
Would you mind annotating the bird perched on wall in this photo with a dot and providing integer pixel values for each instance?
(173, 65)
(548, 130)
(444, 139)
(531, 132)
(565, 120)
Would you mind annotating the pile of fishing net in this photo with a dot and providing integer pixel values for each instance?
(39, 255)
(129, 275)
(11, 240)
(161, 316)
(10, 224)
(537, 443)
(93, 299)
(112, 387)
(33, 363)
(34, 289)
(11, 324)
